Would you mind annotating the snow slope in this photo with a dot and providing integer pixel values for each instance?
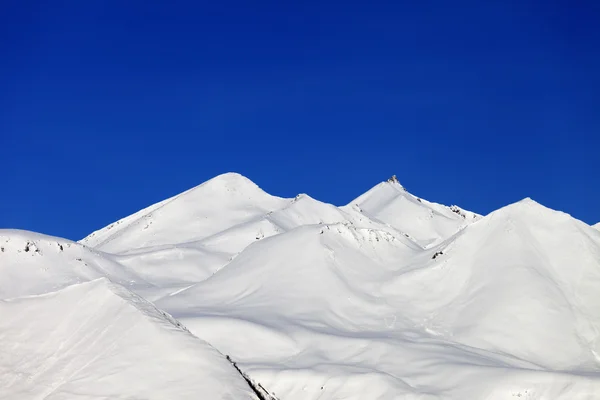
(389, 297)
(427, 222)
(97, 340)
(597, 226)
(212, 207)
(516, 282)
(199, 231)
(324, 308)
(33, 263)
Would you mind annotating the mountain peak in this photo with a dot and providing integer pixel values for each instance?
(528, 208)
(528, 202)
(390, 203)
(394, 179)
(217, 204)
(229, 179)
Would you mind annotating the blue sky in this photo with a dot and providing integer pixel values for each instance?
(109, 106)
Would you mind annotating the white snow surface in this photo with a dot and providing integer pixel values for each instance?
(97, 340)
(388, 297)
(597, 226)
(427, 222)
(208, 209)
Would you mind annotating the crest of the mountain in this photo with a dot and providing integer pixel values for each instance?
(394, 179)
(423, 221)
(201, 230)
(214, 206)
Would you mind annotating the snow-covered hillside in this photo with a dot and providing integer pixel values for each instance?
(33, 263)
(519, 280)
(388, 297)
(208, 209)
(334, 305)
(96, 340)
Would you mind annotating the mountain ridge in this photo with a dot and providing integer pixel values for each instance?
(101, 238)
(316, 301)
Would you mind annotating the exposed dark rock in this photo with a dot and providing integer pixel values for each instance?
(258, 389)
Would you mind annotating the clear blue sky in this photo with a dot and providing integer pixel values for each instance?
(109, 106)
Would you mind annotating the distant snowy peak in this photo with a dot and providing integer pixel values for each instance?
(223, 215)
(218, 204)
(597, 226)
(390, 203)
(232, 203)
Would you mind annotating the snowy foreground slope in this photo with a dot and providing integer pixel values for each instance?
(389, 297)
(98, 340)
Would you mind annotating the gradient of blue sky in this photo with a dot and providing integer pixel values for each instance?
(109, 106)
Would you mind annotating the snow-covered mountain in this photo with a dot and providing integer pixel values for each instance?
(210, 208)
(388, 297)
(427, 222)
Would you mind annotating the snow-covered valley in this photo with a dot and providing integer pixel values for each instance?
(388, 297)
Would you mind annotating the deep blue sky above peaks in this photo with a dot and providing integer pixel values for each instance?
(109, 106)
